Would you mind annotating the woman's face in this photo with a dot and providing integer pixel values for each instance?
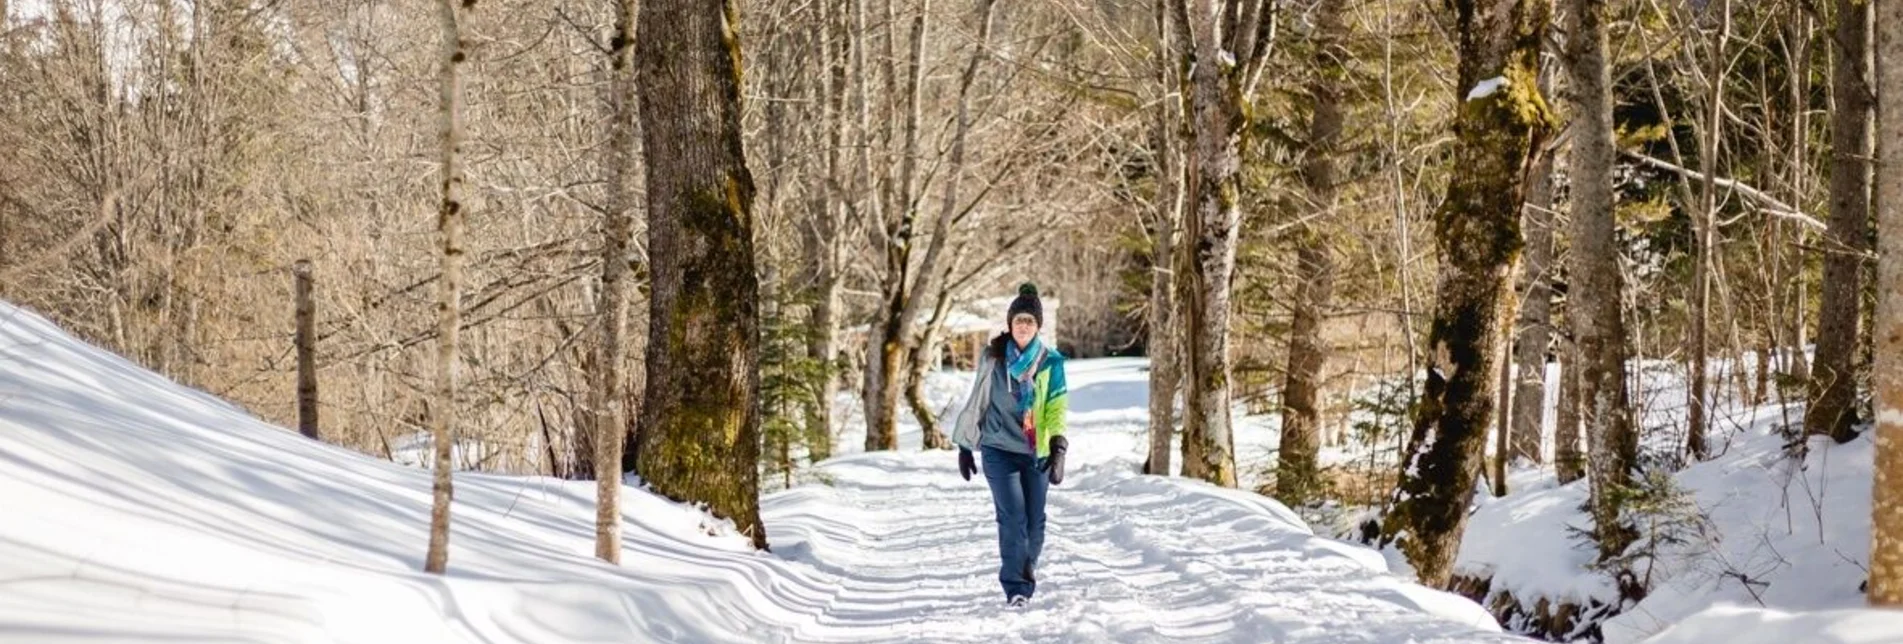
(1023, 328)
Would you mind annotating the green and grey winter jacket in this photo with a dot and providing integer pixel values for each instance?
(1050, 402)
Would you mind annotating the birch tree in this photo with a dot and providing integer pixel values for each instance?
(609, 390)
(449, 223)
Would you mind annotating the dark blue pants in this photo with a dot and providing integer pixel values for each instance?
(1017, 492)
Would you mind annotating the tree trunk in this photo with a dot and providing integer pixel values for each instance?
(611, 419)
(1503, 400)
(1536, 318)
(700, 421)
(449, 221)
(1598, 321)
(895, 326)
(1297, 473)
(1886, 548)
(924, 360)
(1165, 359)
(823, 238)
(1705, 230)
(1220, 88)
(1568, 462)
(306, 351)
(1833, 376)
(1501, 123)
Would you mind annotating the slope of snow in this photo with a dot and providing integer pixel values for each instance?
(1787, 539)
(133, 509)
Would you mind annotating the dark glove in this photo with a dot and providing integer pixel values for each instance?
(966, 466)
(1054, 464)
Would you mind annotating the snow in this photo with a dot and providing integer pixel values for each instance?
(138, 509)
(1743, 625)
(1890, 417)
(1798, 532)
(1487, 87)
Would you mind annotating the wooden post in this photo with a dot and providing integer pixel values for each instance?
(306, 351)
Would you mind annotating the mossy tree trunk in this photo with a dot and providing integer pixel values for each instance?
(1228, 41)
(1297, 478)
(1886, 548)
(1598, 322)
(700, 422)
(449, 223)
(1833, 376)
(1502, 120)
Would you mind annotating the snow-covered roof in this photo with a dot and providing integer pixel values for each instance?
(978, 316)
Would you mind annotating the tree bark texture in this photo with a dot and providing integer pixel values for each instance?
(1297, 472)
(822, 238)
(700, 421)
(306, 350)
(1598, 321)
(1569, 464)
(609, 386)
(1164, 338)
(449, 224)
(1218, 88)
(1502, 120)
(1535, 325)
(1886, 548)
(1833, 376)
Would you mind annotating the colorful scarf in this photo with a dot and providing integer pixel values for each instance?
(1021, 365)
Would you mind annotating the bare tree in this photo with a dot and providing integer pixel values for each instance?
(1886, 548)
(449, 222)
(1833, 376)
(1502, 121)
(1166, 364)
(609, 395)
(700, 419)
(907, 287)
(1297, 474)
(306, 350)
(1597, 319)
(1535, 325)
(1227, 42)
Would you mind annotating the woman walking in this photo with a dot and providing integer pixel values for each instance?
(1014, 419)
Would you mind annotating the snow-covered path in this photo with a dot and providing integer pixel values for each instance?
(132, 509)
(1127, 557)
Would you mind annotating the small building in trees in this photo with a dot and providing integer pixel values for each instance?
(968, 326)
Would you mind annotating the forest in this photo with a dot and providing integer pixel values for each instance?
(1384, 262)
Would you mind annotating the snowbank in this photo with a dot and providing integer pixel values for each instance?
(1732, 624)
(135, 509)
(1775, 532)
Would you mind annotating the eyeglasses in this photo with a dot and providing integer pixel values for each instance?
(1025, 320)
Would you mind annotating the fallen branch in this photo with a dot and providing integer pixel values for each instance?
(1767, 204)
